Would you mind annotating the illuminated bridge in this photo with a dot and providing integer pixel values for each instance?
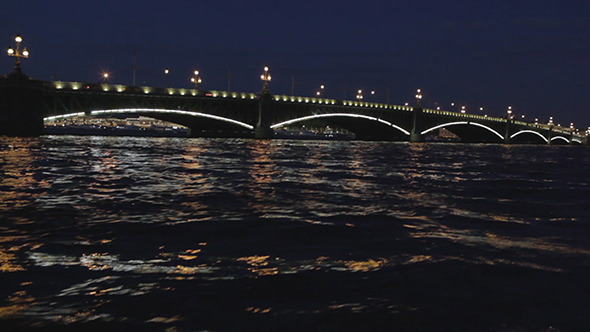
(25, 104)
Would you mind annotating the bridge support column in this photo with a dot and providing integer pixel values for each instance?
(416, 133)
(507, 132)
(416, 138)
(21, 100)
(263, 129)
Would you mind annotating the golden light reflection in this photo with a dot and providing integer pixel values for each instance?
(93, 261)
(18, 301)
(258, 265)
(180, 269)
(19, 169)
(419, 259)
(365, 266)
(187, 257)
(258, 310)
(255, 260)
(8, 260)
(263, 172)
(197, 176)
(164, 320)
(106, 162)
(191, 157)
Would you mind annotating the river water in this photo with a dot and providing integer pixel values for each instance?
(176, 234)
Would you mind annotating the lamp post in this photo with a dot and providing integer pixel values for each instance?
(509, 113)
(359, 95)
(166, 72)
(320, 91)
(17, 52)
(196, 79)
(105, 77)
(418, 97)
(265, 77)
(463, 110)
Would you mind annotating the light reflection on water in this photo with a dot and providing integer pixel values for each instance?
(90, 222)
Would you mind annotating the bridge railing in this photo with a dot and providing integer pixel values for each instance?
(147, 90)
(464, 115)
(326, 101)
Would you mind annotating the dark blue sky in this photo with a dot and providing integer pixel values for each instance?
(533, 55)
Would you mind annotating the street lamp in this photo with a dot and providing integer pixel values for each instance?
(265, 77)
(166, 72)
(17, 52)
(359, 95)
(418, 96)
(105, 77)
(196, 79)
(320, 91)
(463, 110)
(509, 111)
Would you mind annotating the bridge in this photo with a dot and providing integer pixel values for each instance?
(26, 103)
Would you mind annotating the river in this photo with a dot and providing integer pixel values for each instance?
(177, 234)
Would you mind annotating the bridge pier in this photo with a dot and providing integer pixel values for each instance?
(416, 133)
(416, 137)
(263, 129)
(21, 105)
(507, 132)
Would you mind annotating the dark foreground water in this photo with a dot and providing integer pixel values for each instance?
(172, 234)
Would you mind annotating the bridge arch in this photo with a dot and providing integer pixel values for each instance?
(156, 111)
(528, 131)
(463, 123)
(555, 138)
(350, 115)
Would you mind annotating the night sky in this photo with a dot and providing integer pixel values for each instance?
(533, 55)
